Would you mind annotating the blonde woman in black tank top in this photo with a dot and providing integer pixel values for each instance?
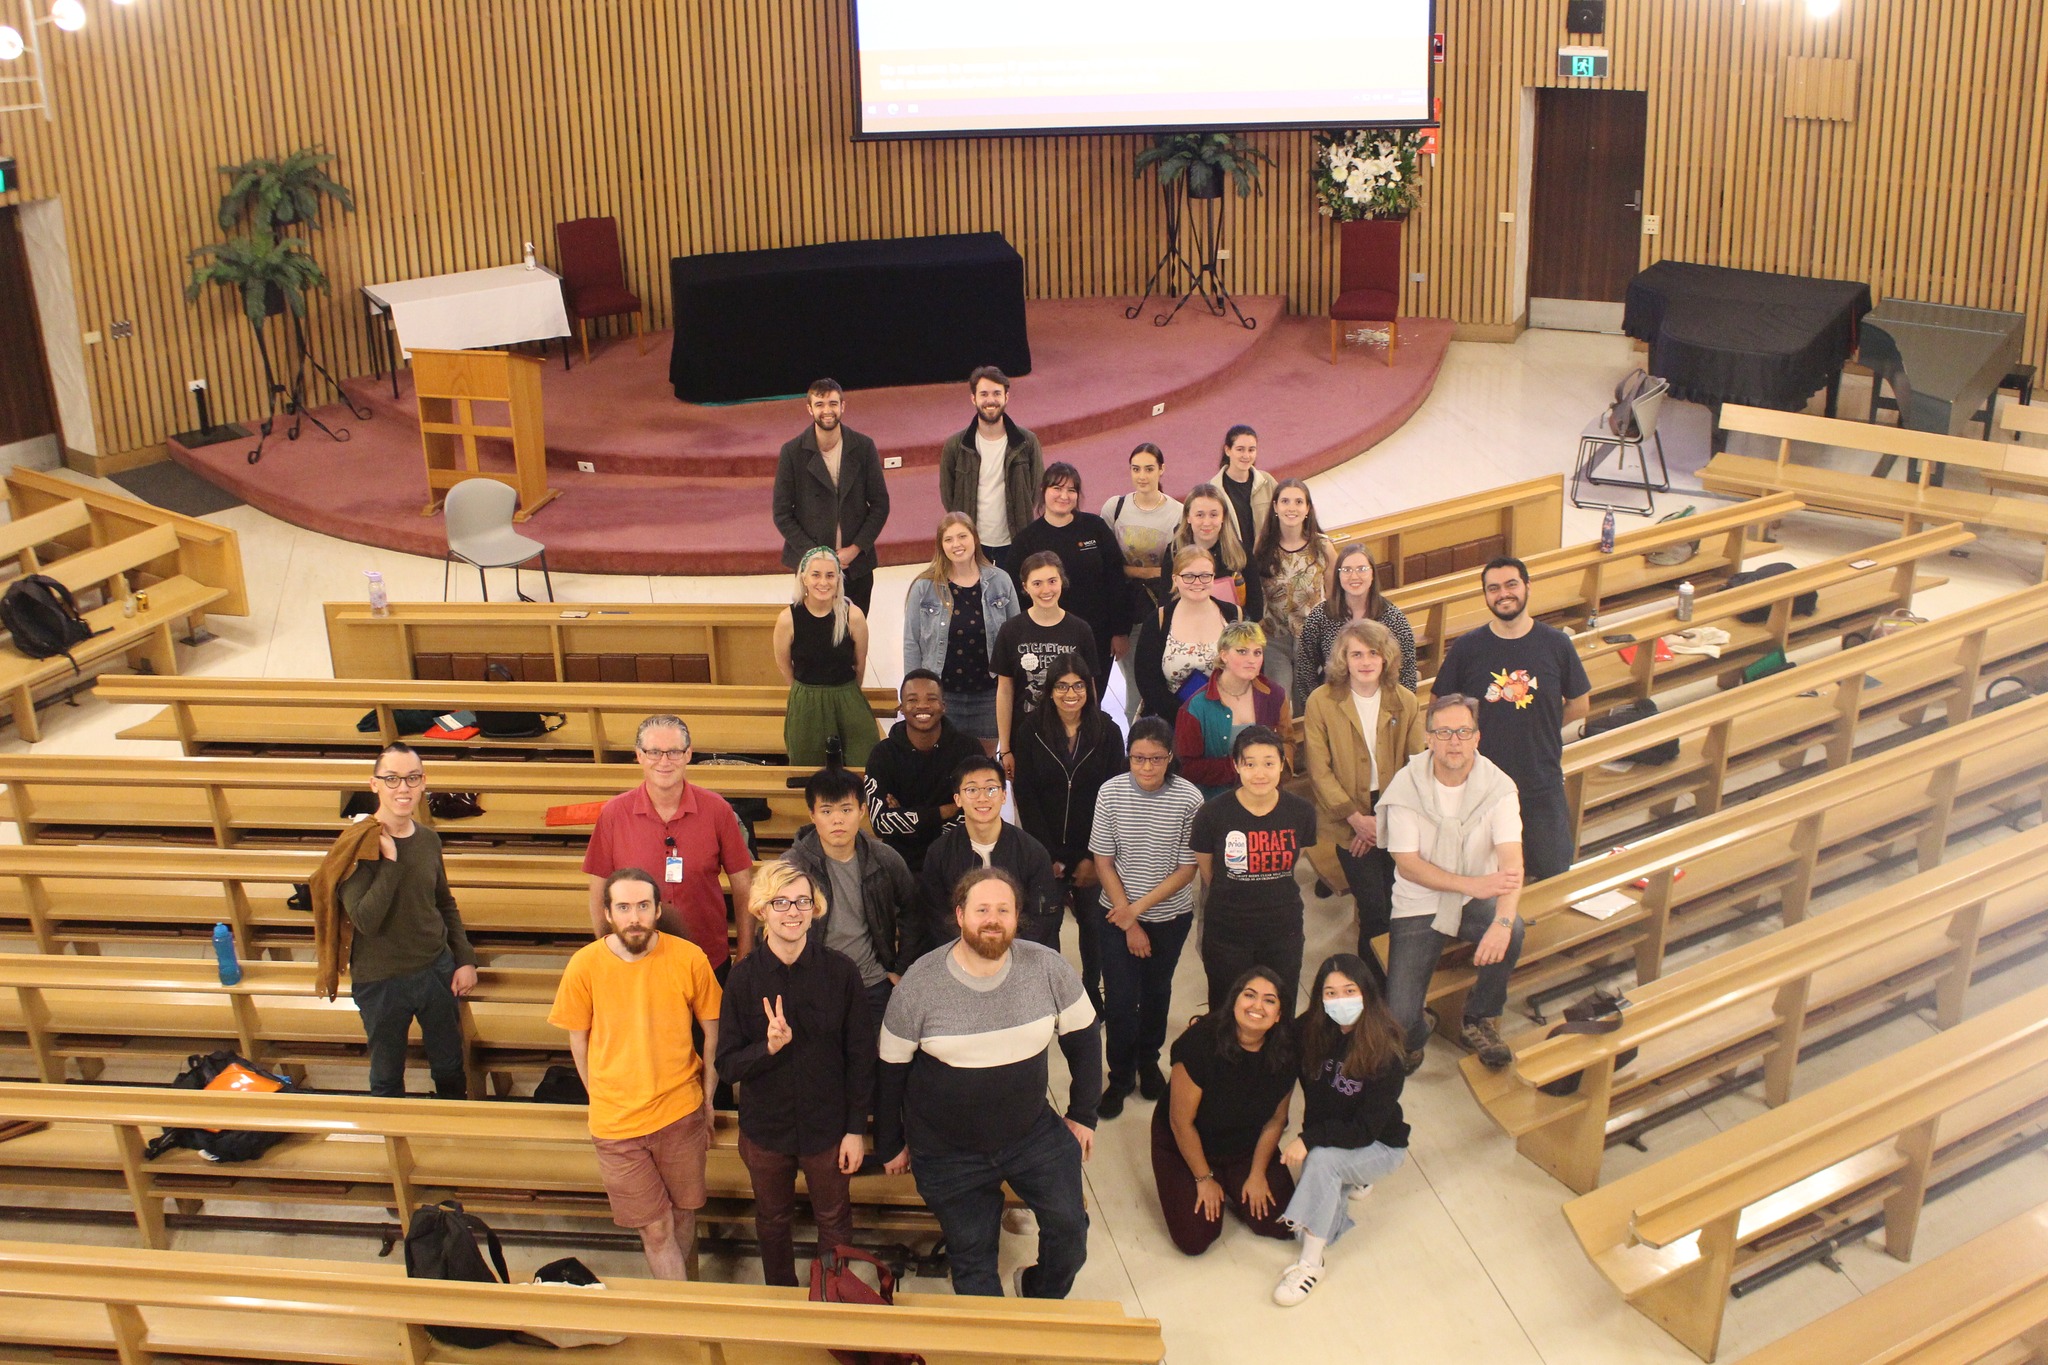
(821, 649)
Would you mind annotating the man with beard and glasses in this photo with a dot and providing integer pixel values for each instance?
(964, 1080)
(1529, 684)
(627, 1001)
(991, 471)
(829, 490)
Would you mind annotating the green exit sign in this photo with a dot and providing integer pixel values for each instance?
(1582, 63)
(10, 179)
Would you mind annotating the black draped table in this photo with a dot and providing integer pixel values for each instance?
(1743, 336)
(912, 310)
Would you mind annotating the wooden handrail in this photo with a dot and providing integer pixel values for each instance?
(741, 1315)
(685, 699)
(341, 775)
(1835, 1122)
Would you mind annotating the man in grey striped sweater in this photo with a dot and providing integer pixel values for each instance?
(963, 1090)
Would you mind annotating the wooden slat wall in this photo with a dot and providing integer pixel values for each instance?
(468, 127)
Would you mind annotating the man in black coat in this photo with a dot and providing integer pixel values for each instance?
(979, 794)
(829, 491)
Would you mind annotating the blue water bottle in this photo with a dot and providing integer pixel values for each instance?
(224, 949)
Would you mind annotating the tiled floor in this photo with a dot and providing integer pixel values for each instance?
(1462, 1255)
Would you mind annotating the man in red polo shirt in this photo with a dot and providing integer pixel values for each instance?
(681, 835)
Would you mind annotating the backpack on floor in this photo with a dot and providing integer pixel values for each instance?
(440, 1244)
(43, 617)
(1628, 713)
(220, 1071)
(834, 1280)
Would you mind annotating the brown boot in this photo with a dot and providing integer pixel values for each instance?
(1483, 1037)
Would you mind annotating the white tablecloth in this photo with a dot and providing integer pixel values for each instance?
(475, 308)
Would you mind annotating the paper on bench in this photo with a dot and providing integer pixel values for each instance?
(1606, 905)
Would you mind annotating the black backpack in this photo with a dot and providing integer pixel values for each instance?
(440, 1244)
(515, 724)
(1625, 714)
(227, 1144)
(42, 616)
(1803, 605)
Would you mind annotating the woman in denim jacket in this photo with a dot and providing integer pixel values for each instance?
(950, 620)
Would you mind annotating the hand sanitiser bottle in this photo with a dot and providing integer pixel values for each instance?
(380, 602)
(529, 255)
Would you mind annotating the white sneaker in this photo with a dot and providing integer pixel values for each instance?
(1295, 1283)
(1023, 1222)
(1355, 1195)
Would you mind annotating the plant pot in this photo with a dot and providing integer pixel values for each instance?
(1209, 187)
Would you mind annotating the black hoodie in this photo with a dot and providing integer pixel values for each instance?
(920, 782)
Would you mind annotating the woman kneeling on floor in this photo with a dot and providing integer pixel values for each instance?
(1214, 1139)
(1351, 1134)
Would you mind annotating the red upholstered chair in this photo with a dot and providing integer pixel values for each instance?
(594, 275)
(1368, 279)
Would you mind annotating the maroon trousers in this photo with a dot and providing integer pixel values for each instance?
(1191, 1232)
(774, 1177)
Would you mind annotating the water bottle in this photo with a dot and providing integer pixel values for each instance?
(1607, 534)
(380, 603)
(224, 949)
(529, 255)
(1685, 601)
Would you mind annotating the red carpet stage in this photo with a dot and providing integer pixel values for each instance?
(682, 489)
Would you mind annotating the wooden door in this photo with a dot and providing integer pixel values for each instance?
(1586, 199)
(27, 409)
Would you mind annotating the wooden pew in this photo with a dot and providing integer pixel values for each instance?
(513, 1157)
(145, 637)
(1822, 705)
(136, 1302)
(232, 801)
(207, 552)
(85, 896)
(274, 714)
(1767, 999)
(1672, 1235)
(1852, 590)
(24, 538)
(1569, 584)
(1986, 1301)
(672, 642)
(1460, 534)
(1777, 849)
(1858, 493)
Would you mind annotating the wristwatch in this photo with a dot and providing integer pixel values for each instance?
(1504, 922)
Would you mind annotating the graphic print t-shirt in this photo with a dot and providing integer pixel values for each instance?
(1254, 855)
(1522, 686)
(1031, 655)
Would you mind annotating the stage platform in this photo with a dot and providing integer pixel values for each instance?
(684, 489)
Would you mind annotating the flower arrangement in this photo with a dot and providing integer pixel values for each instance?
(1367, 173)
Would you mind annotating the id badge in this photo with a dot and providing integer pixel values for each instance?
(672, 869)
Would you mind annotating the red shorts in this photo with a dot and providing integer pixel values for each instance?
(646, 1178)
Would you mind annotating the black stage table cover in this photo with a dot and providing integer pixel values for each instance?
(1744, 336)
(913, 310)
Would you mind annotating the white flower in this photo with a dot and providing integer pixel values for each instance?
(1357, 179)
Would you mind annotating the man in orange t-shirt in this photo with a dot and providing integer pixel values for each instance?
(626, 1001)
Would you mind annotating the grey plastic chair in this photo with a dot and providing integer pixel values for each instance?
(479, 520)
(1597, 440)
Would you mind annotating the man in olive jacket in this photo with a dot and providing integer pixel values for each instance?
(829, 491)
(991, 471)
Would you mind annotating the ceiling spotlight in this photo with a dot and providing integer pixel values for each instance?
(68, 15)
(11, 45)
(1822, 9)
(124, 2)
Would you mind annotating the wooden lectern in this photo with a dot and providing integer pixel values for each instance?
(449, 385)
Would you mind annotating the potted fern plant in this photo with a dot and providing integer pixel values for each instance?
(1204, 161)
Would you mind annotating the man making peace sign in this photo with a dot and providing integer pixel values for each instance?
(797, 1039)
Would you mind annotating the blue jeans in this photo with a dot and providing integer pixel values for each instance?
(964, 1190)
(388, 1008)
(1328, 1175)
(1413, 948)
(1136, 992)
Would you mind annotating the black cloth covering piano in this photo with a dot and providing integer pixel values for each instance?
(912, 310)
(1720, 335)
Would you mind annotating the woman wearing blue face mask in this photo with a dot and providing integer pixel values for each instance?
(1352, 1134)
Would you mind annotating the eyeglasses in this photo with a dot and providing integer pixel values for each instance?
(1462, 732)
(978, 793)
(1193, 578)
(664, 755)
(396, 780)
(782, 905)
(1356, 571)
(1150, 760)
(1080, 687)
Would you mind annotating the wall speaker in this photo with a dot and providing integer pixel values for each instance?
(1586, 16)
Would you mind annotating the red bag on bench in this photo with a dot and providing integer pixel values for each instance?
(834, 1280)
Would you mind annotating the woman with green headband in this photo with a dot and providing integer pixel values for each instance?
(821, 648)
